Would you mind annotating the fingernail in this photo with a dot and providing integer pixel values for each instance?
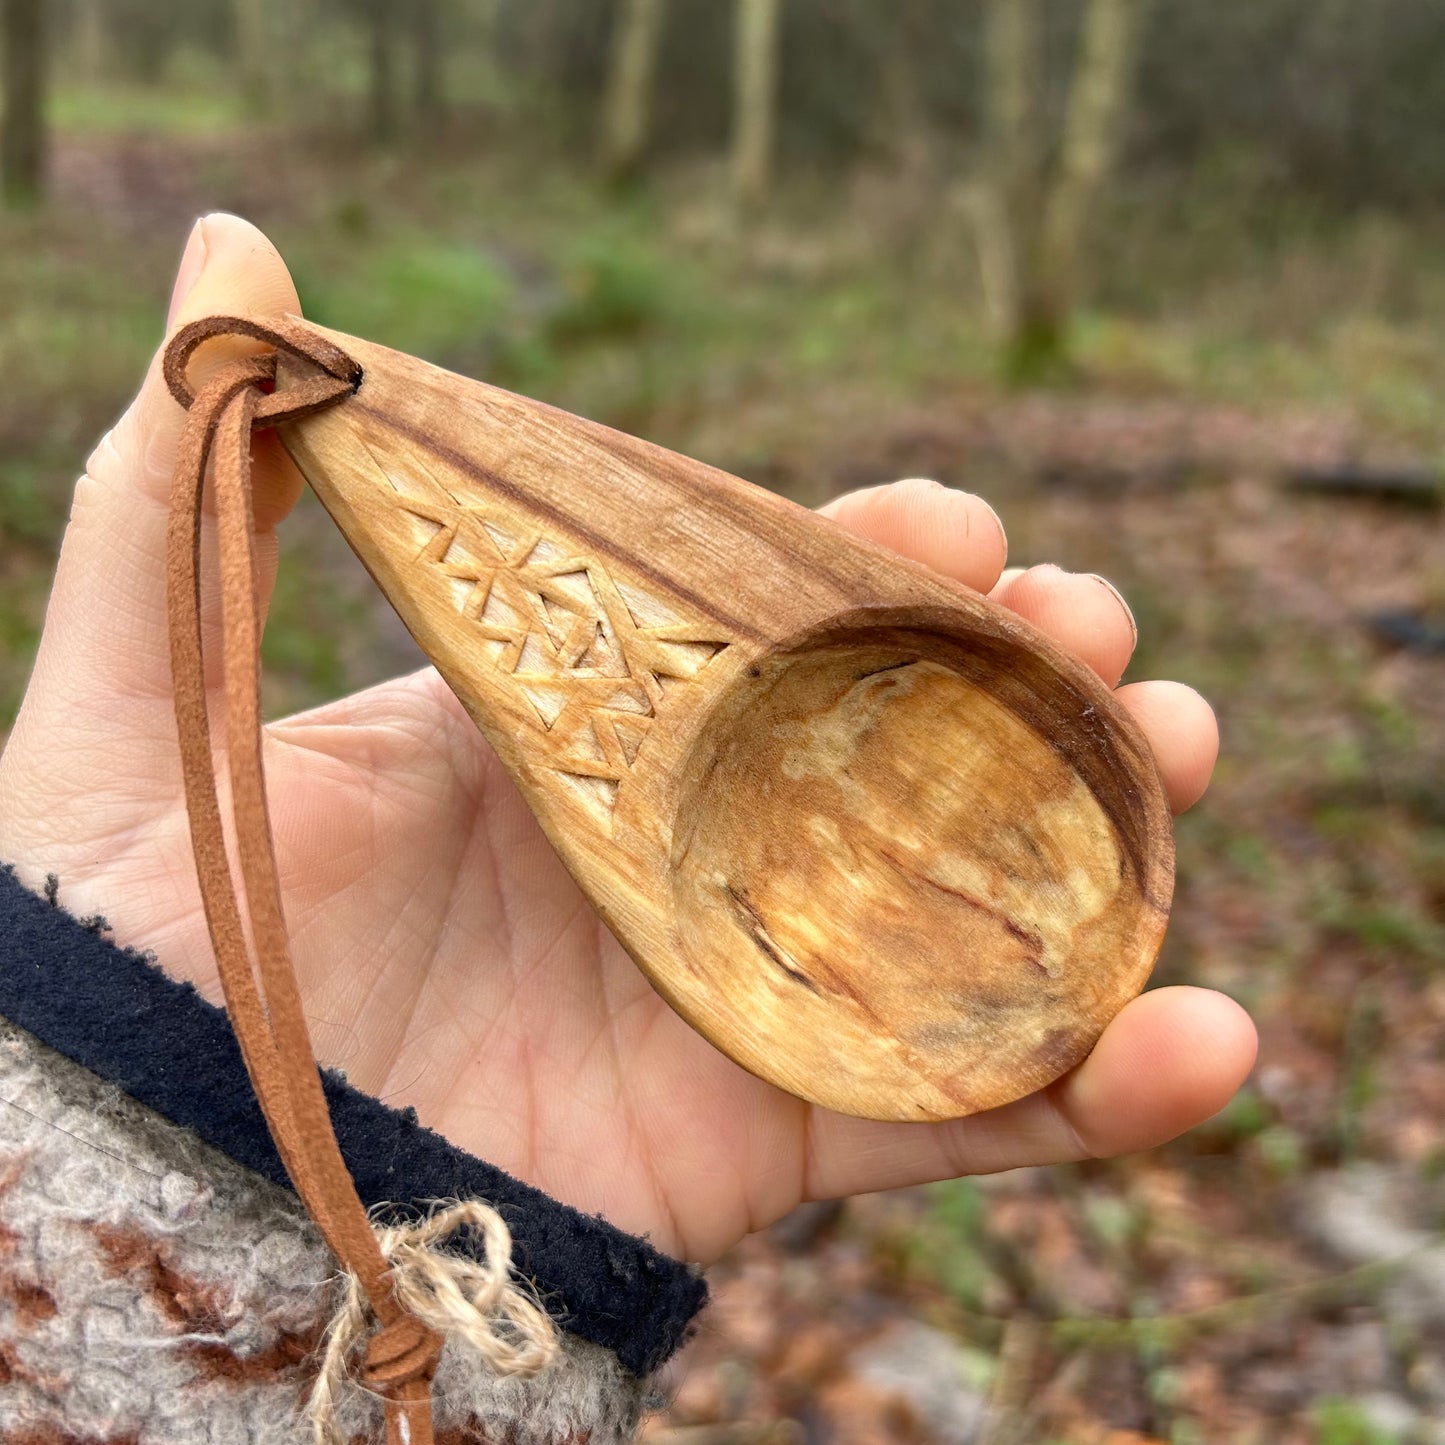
(193, 262)
(1119, 596)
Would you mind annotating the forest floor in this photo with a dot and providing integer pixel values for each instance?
(1278, 1276)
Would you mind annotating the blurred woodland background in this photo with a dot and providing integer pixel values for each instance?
(1164, 281)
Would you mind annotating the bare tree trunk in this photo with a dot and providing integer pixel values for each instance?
(293, 61)
(89, 44)
(22, 122)
(627, 106)
(1092, 125)
(1010, 195)
(901, 39)
(1032, 222)
(249, 19)
(380, 16)
(428, 100)
(755, 98)
(274, 61)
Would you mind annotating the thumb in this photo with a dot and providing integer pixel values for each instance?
(94, 748)
(105, 630)
(228, 268)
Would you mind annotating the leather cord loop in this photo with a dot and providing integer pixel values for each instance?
(284, 335)
(262, 997)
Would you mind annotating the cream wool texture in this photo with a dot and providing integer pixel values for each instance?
(154, 1292)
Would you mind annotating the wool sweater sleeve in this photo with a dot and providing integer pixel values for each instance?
(159, 1281)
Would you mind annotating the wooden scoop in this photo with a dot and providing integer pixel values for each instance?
(875, 837)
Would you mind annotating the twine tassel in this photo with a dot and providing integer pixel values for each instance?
(478, 1303)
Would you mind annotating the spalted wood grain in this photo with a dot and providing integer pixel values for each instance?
(874, 836)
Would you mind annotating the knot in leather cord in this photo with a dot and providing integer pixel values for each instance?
(466, 1298)
(263, 1000)
(401, 1352)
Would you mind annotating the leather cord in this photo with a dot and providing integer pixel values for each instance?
(263, 1000)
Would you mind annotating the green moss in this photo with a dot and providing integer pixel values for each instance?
(1345, 1422)
(944, 1247)
(444, 301)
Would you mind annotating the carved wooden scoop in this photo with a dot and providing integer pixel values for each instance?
(874, 836)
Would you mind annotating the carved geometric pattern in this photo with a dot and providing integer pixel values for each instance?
(594, 657)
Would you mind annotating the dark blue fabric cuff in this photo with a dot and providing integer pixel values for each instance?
(116, 1013)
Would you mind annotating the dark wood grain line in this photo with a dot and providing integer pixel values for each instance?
(756, 929)
(530, 501)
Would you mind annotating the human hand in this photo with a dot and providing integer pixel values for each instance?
(446, 958)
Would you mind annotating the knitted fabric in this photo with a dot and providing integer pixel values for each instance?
(115, 1012)
(154, 1292)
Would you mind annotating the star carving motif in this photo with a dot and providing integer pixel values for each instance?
(593, 657)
